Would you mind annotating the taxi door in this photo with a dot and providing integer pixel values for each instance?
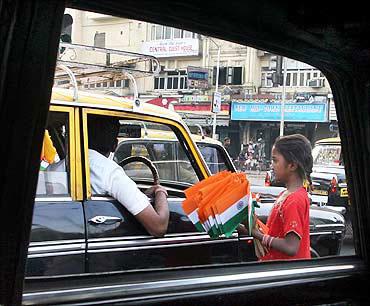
(117, 242)
(58, 242)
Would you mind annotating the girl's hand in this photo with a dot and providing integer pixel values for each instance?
(256, 233)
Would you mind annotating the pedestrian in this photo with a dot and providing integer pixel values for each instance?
(250, 149)
(207, 132)
(227, 144)
(209, 153)
(288, 235)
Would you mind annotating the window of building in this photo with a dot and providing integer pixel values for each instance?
(237, 76)
(159, 32)
(99, 40)
(167, 33)
(161, 83)
(228, 75)
(187, 34)
(266, 79)
(175, 83)
(295, 78)
(177, 33)
(288, 77)
(169, 83)
(171, 80)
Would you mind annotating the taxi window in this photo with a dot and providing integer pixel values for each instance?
(158, 143)
(54, 171)
(160, 152)
(214, 158)
(328, 155)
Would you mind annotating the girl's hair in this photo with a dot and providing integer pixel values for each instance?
(297, 149)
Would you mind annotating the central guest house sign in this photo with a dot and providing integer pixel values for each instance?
(172, 48)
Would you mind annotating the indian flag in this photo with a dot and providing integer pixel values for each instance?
(208, 195)
(191, 191)
(232, 208)
(219, 203)
(191, 210)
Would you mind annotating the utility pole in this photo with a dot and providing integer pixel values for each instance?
(279, 78)
(216, 89)
(283, 98)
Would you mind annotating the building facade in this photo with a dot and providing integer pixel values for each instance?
(188, 75)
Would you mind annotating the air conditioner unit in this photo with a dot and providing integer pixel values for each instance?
(315, 83)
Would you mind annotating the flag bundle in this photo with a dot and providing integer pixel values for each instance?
(219, 203)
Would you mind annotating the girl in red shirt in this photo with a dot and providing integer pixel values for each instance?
(288, 236)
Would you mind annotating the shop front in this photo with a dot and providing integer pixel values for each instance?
(260, 122)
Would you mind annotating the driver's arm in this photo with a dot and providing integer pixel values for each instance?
(124, 189)
(155, 219)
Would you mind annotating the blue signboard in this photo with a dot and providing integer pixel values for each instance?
(293, 112)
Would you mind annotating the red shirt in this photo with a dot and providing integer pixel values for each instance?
(291, 216)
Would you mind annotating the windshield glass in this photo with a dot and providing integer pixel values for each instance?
(328, 155)
(158, 143)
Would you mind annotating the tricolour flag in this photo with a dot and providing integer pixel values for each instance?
(219, 203)
(191, 210)
(232, 207)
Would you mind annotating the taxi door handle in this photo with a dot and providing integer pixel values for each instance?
(105, 219)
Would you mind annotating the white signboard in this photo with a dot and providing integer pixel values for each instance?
(172, 47)
(216, 104)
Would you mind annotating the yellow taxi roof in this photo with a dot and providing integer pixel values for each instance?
(109, 102)
(329, 140)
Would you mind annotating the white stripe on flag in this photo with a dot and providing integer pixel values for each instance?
(234, 209)
(193, 216)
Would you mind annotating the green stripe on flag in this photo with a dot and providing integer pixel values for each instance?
(230, 226)
(235, 214)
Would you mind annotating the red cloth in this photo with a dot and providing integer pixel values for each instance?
(293, 215)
